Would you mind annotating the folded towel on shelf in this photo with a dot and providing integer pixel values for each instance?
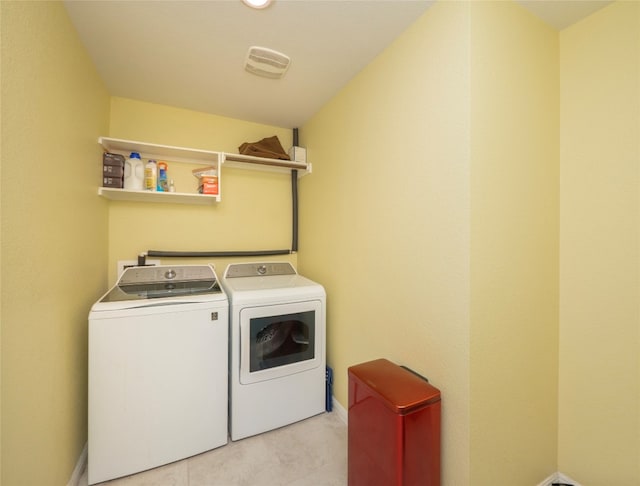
(269, 147)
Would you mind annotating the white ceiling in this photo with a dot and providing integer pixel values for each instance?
(563, 13)
(190, 54)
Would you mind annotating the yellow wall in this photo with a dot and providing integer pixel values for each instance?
(437, 175)
(1, 29)
(255, 210)
(599, 406)
(385, 217)
(514, 245)
(54, 239)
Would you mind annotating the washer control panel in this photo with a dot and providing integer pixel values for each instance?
(165, 273)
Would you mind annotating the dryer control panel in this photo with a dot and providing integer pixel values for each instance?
(268, 269)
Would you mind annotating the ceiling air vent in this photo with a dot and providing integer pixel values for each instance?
(266, 62)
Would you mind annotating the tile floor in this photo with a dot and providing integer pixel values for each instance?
(308, 453)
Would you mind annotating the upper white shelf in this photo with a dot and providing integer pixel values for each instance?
(159, 152)
(261, 163)
(197, 156)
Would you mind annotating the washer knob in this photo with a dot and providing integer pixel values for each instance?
(170, 274)
(262, 269)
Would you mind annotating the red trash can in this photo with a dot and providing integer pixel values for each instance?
(394, 427)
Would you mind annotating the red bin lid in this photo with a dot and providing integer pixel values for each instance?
(401, 390)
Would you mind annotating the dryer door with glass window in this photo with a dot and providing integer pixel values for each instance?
(279, 340)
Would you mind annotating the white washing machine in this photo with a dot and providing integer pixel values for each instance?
(277, 347)
(158, 359)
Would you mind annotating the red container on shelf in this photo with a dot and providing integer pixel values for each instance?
(207, 180)
(394, 427)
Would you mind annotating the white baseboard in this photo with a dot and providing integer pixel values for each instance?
(340, 410)
(558, 477)
(81, 465)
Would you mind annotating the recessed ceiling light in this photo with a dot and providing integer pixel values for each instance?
(257, 3)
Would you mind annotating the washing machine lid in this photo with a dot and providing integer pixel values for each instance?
(164, 281)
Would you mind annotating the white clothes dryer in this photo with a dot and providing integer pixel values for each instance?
(277, 364)
(158, 359)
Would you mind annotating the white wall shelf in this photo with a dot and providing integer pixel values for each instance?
(260, 163)
(192, 156)
(156, 197)
(160, 152)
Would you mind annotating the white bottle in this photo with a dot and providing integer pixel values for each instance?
(133, 172)
(150, 176)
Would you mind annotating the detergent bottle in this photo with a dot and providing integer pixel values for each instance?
(134, 172)
(150, 176)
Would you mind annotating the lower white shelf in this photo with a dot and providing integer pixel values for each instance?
(153, 196)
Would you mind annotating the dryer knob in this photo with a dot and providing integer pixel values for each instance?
(170, 274)
(262, 269)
